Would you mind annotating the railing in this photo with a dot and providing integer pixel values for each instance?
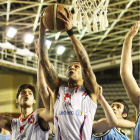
(26, 63)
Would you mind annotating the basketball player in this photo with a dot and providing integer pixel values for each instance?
(31, 124)
(121, 110)
(5, 135)
(128, 80)
(76, 102)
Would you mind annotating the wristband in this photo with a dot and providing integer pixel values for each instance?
(70, 32)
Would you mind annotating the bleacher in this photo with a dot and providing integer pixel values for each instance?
(113, 89)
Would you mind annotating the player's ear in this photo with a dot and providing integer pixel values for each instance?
(34, 101)
(124, 115)
(17, 101)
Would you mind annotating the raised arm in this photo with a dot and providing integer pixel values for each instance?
(111, 120)
(88, 75)
(5, 122)
(50, 73)
(45, 93)
(128, 80)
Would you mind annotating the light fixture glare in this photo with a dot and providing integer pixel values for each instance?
(48, 43)
(60, 50)
(11, 32)
(29, 38)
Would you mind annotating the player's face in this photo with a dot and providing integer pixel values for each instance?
(75, 71)
(26, 98)
(118, 109)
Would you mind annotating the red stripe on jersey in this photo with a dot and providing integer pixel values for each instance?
(36, 123)
(59, 133)
(56, 118)
(58, 94)
(71, 87)
(83, 93)
(22, 120)
(76, 90)
(21, 128)
(81, 129)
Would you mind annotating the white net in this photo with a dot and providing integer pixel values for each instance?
(91, 13)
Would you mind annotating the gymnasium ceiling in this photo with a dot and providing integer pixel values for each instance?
(102, 46)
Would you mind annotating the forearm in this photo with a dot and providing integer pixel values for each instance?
(122, 123)
(80, 52)
(110, 116)
(126, 60)
(50, 74)
(43, 87)
(43, 51)
(88, 75)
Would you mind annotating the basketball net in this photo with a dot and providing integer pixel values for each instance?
(91, 13)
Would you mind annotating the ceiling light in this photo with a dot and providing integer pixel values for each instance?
(48, 43)
(11, 32)
(29, 38)
(60, 50)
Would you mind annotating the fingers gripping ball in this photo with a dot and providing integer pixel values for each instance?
(50, 18)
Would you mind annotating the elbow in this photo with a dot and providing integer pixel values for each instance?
(49, 117)
(113, 124)
(122, 73)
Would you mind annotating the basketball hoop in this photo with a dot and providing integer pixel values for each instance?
(90, 12)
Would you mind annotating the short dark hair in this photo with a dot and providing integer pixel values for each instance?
(25, 86)
(74, 61)
(126, 108)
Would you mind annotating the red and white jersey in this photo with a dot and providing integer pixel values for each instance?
(28, 129)
(73, 114)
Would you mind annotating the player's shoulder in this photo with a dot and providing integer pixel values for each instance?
(39, 110)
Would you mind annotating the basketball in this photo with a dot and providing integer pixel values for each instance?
(50, 18)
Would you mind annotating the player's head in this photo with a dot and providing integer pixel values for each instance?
(120, 108)
(74, 71)
(25, 96)
(4, 131)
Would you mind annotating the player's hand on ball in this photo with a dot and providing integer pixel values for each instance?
(134, 29)
(42, 27)
(67, 19)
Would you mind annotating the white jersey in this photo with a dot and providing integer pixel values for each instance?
(28, 129)
(73, 114)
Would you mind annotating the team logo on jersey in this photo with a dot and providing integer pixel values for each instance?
(67, 97)
(21, 128)
(31, 119)
(66, 104)
(78, 112)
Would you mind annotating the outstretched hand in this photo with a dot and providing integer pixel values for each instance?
(134, 29)
(42, 27)
(66, 19)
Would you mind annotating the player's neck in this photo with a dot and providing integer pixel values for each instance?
(73, 83)
(25, 112)
(119, 129)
